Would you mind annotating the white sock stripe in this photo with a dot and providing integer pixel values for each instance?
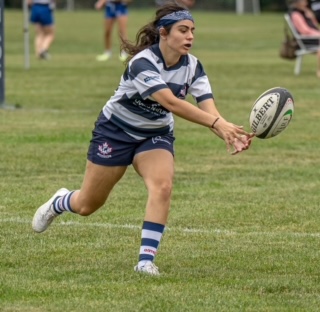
(65, 200)
(57, 205)
(151, 234)
(62, 202)
(148, 250)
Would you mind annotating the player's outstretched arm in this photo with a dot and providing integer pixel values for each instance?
(234, 136)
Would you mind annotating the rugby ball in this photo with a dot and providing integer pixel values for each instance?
(271, 113)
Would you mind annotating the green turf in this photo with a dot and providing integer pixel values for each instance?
(243, 233)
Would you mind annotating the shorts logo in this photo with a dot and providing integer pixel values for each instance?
(157, 139)
(105, 150)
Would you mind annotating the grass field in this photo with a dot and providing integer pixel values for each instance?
(244, 231)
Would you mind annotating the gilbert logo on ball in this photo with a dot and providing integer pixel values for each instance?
(271, 113)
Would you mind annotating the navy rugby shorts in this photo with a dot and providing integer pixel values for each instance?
(41, 14)
(111, 146)
(115, 9)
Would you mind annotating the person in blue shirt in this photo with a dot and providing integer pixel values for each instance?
(136, 127)
(42, 16)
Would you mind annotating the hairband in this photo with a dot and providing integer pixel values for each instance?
(174, 18)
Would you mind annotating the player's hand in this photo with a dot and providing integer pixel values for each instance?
(242, 144)
(235, 137)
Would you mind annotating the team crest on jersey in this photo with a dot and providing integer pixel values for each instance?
(183, 92)
(105, 150)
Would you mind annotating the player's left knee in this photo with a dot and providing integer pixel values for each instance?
(165, 189)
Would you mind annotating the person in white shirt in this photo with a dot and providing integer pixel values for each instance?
(136, 127)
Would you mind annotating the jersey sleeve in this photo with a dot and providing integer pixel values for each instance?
(145, 77)
(200, 87)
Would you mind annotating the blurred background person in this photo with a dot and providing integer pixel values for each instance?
(187, 3)
(315, 7)
(42, 16)
(115, 10)
(306, 24)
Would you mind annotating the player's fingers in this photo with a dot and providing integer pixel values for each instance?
(228, 146)
(245, 139)
(239, 146)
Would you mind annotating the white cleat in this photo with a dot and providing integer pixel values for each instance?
(45, 214)
(148, 268)
(123, 56)
(103, 57)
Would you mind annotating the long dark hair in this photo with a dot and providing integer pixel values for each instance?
(149, 34)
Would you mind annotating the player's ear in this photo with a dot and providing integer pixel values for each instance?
(162, 33)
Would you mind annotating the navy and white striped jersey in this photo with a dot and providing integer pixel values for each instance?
(132, 108)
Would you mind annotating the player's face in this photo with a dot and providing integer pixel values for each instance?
(180, 38)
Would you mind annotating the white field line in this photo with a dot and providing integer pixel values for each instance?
(58, 110)
(171, 229)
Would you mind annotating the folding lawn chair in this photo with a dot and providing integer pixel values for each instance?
(304, 48)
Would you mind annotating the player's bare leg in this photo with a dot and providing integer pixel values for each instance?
(107, 39)
(96, 187)
(122, 23)
(157, 170)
